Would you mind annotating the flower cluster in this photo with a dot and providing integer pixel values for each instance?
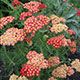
(16, 2)
(5, 20)
(56, 20)
(15, 77)
(23, 15)
(76, 64)
(52, 78)
(73, 45)
(12, 36)
(63, 71)
(55, 41)
(59, 41)
(54, 61)
(36, 59)
(30, 70)
(71, 32)
(28, 40)
(33, 6)
(58, 28)
(32, 24)
(78, 13)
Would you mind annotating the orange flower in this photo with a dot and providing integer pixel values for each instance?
(72, 44)
(71, 32)
(73, 50)
(64, 0)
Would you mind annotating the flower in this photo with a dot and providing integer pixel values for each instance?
(12, 36)
(70, 71)
(76, 64)
(30, 70)
(16, 2)
(58, 28)
(23, 15)
(28, 40)
(37, 59)
(54, 61)
(41, 6)
(63, 71)
(72, 44)
(52, 78)
(13, 77)
(71, 32)
(32, 24)
(64, 0)
(73, 50)
(78, 13)
(5, 20)
(56, 20)
(55, 41)
(34, 6)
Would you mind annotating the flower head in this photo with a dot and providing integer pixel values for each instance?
(12, 36)
(76, 64)
(30, 70)
(78, 13)
(37, 59)
(16, 2)
(54, 61)
(71, 32)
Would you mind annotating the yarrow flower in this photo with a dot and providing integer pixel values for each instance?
(73, 45)
(58, 28)
(28, 40)
(32, 24)
(52, 78)
(34, 6)
(71, 32)
(54, 61)
(55, 41)
(78, 13)
(5, 20)
(23, 15)
(63, 71)
(15, 77)
(37, 59)
(76, 64)
(30, 70)
(12, 36)
(16, 2)
(56, 20)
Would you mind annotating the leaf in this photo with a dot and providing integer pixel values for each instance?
(71, 20)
